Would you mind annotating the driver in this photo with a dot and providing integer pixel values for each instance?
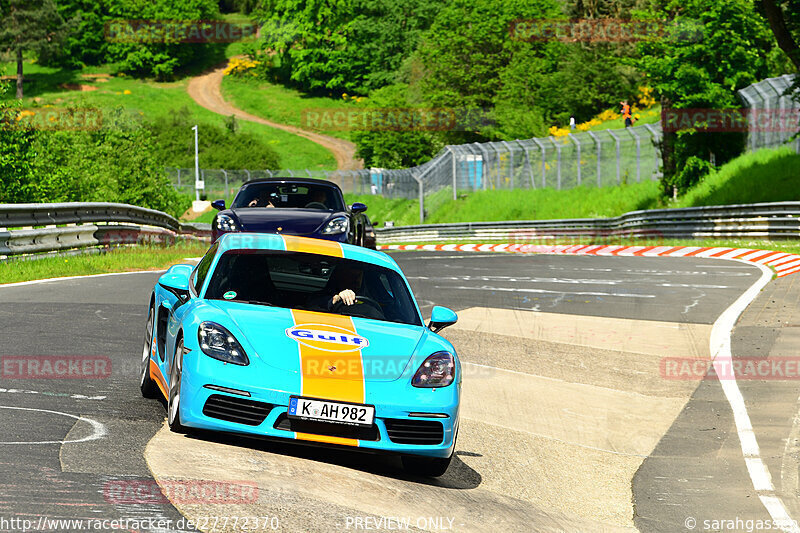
(318, 196)
(263, 200)
(345, 283)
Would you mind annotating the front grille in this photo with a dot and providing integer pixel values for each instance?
(237, 410)
(327, 428)
(424, 432)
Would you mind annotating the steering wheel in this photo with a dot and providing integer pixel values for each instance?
(316, 205)
(363, 299)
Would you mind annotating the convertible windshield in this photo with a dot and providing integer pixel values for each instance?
(289, 195)
(308, 281)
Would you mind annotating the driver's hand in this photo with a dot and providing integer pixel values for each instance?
(253, 203)
(347, 296)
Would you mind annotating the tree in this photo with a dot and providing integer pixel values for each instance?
(351, 46)
(704, 70)
(784, 20)
(30, 26)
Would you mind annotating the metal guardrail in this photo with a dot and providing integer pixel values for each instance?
(778, 220)
(75, 225)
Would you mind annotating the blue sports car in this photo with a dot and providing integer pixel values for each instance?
(294, 338)
(294, 206)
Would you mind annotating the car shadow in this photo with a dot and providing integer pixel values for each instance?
(459, 475)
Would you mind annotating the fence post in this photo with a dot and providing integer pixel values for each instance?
(510, 162)
(179, 177)
(248, 174)
(453, 155)
(616, 140)
(484, 165)
(527, 160)
(544, 163)
(558, 162)
(599, 147)
(577, 153)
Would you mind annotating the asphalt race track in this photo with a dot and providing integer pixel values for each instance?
(569, 422)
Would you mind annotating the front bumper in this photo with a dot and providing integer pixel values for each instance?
(394, 402)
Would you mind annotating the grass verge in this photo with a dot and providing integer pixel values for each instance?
(154, 101)
(768, 175)
(125, 259)
(281, 104)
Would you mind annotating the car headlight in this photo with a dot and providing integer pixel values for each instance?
(335, 226)
(217, 342)
(226, 223)
(438, 370)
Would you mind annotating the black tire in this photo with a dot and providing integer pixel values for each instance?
(425, 466)
(146, 384)
(174, 401)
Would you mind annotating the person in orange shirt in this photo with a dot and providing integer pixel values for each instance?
(626, 113)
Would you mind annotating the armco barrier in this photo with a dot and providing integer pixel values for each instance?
(778, 220)
(75, 225)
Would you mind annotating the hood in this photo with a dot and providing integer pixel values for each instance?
(291, 221)
(270, 333)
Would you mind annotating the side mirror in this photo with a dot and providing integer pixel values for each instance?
(176, 280)
(441, 317)
(358, 207)
(219, 205)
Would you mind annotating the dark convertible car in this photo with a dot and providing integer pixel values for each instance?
(294, 206)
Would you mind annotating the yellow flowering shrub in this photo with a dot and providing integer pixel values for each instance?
(240, 65)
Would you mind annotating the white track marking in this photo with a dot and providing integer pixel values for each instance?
(98, 430)
(67, 278)
(544, 291)
(720, 347)
(52, 394)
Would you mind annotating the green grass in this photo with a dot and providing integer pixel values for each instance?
(768, 175)
(281, 104)
(520, 204)
(205, 218)
(152, 100)
(117, 260)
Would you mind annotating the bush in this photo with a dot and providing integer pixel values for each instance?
(220, 145)
(692, 173)
(89, 44)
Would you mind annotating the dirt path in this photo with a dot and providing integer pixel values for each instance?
(206, 90)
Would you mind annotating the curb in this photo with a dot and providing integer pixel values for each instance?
(783, 263)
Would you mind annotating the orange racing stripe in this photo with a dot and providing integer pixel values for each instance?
(155, 374)
(317, 358)
(312, 246)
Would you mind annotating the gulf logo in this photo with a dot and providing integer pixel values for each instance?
(327, 337)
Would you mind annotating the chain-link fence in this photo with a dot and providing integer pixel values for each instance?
(773, 114)
(588, 158)
(602, 158)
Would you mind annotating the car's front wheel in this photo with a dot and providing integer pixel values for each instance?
(146, 383)
(426, 466)
(174, 402)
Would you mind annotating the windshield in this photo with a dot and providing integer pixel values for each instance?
(308, 281)
(289, 195)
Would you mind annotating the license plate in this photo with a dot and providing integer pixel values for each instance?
(338, 412)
